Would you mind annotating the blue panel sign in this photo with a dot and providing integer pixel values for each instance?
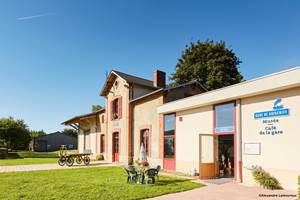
(224, 129)
(278, 110)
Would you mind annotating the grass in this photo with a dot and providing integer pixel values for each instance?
(27, 161)
(85, 183)
(29, 157)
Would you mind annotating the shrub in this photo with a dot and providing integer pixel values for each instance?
(99, 157)
(299, 187)
(264, 179)
(3, 153)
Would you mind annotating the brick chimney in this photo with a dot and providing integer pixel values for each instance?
(159, 79)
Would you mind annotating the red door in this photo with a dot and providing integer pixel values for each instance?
(169, 161)
(115, 147)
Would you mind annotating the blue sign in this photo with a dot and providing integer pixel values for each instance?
(224, 129)
(278, 110)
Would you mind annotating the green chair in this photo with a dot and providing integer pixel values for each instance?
(151, 173)
(131, 174)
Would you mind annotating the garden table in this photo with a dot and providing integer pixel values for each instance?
(141, 173)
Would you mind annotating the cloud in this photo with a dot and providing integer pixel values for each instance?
(35, 16)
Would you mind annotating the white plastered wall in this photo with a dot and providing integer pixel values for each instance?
(194, 122)
(279, 153)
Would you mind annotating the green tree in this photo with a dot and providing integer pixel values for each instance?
(36, 134)
(96, 108)
(33, 136)
(14, 133)
(70, 132)
(209, 62)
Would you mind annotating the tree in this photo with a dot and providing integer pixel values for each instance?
(14, 133)
(209, 62)
(36, 134)
(96, 108)
(33, 136)
(70, 132)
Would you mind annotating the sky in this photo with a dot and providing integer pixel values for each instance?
(54, 54)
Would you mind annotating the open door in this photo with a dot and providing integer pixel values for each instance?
(207, 165)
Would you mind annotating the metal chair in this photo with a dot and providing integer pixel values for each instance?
(131, 174)
(151, 174)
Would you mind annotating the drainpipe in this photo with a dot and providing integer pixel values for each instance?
(239, 141)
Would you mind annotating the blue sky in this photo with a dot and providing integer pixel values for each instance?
(54, 54)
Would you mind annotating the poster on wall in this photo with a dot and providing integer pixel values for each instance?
(252, 148)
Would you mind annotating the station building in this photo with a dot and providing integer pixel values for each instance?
(220, 133)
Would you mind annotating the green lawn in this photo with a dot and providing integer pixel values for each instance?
(26, 161)
(85, 183)
(28, 158)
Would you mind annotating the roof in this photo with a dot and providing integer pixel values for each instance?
(43, 137)
(168, 88)
(185, 84)
(128, 78)
(78, 118)
(274, 82)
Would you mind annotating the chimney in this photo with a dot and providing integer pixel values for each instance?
(159, 79)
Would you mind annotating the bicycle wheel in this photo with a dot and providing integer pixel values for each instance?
(86, 160)
(79, 160)
(61, 161)
(69, 161)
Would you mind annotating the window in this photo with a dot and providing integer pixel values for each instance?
(98, 127)
(87, 141)
(102, 118)
(102, 143)
(169, 136)
(224, 118)
(116, 108)
(144, 140)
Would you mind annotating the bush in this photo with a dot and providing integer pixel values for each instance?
(99, 157)
(299, 187)
(264, 179)
(3, 153)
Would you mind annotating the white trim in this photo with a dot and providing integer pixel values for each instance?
(269, 83)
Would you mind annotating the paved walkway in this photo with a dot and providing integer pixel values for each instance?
(229, 191)
(53, 166)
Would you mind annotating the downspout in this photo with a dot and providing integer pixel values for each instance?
(239, 141)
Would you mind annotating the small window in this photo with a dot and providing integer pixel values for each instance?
(224, 118)
(102, 118)
(98, 127)
(116, 108)
(102, 143)
(144, 140)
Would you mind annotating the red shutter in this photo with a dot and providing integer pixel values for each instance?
(120, 108)
(111, 110)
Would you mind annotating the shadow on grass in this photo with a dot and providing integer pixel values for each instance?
(13, 155)
(170, 182)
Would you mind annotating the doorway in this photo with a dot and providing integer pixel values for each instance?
(115, 147)
(225, 149)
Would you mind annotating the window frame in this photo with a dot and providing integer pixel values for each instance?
(116, 108)
(102, 143)
(169, 136)
(147, 147)
(215, 118)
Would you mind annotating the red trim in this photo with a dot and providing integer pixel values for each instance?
(169, 163)
(115, 159)
(228, 133)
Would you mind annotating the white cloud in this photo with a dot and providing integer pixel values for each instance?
(35, 16)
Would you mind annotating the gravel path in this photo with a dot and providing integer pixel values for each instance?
(53, 166)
